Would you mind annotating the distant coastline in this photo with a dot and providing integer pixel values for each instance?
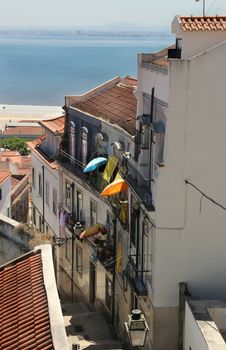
(84, 32)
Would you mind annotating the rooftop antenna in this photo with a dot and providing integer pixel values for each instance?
(203, 7)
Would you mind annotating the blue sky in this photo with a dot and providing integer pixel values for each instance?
(68, 13)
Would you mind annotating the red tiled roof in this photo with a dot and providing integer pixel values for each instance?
(3, 176)
(23, 130)
(34, 146)
(210, 23)
(116, 104)
(25, 322)
(55, 125)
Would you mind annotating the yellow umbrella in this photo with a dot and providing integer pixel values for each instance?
(115, 187)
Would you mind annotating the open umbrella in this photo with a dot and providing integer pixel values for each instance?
(94, 164)
(115, 187)
(92, 231)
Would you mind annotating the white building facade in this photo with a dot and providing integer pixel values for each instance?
(184, 91)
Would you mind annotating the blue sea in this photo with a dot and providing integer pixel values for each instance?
(41, 70)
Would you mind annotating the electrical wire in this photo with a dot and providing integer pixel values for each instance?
(205, 195)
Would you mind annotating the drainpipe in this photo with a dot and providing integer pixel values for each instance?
(72, 267)
(43, 197)
(151, 136)
(114, 271)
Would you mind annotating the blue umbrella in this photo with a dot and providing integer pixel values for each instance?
(94, 164)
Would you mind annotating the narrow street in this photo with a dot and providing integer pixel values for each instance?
(89, 328)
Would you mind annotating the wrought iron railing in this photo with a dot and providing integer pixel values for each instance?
(139, 184)
(71, 164)
(137, 277)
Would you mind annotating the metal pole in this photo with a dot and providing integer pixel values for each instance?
(203, 10)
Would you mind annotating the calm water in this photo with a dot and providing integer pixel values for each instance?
(42, 70)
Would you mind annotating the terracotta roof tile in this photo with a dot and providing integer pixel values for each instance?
(55, 125)
(210, 23)
(3, 176)
(23, 130)
(117, 104)
(25, 320)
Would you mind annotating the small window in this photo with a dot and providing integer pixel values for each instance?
(40, 184)
(47, 229)
(108, 292)
(47, 192)
(84, 145)
(79, 206)
(79, 260)
(40, 223)
(68, 194)
(54, 201)
(93, 213)
(144, 135)
(34, 216)
(0, 193)
(68, 247)
(33, 177)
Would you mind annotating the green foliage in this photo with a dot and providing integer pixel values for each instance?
(15, 144)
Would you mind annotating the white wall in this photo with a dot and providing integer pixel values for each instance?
(5, 202)
(52, 176)
(153, 77)
(189, 241)
(193, 337)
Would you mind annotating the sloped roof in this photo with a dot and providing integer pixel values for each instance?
(116, 104)
(199, 23)
(34, 146)
(3, 176)
(23, 130)
(55, 125)
(24, 304)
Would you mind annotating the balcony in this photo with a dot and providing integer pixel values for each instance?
(139, 184)
(71, 164)
(137, 278)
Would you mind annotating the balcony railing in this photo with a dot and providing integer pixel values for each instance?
(71, 164)
(138, 183)
(137, 278)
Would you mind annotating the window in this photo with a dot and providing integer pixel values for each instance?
(72, 139)
(40, 223)
(108, 292)
(34, 216)
(84, 145)
(40, 184)
(144, 135)
(134, 222)
(99, 143)
(54, 201)
(0, 193)
(79, 205)
(33, 177)
(68, 247)
(79, 259)
(93, 213)
(68, 194)
(47, 192)
(47, 229)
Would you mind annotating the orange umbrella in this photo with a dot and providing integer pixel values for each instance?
(115, 187)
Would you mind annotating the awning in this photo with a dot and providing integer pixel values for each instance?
(115, 187)
(92, 231)
(94, 164)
